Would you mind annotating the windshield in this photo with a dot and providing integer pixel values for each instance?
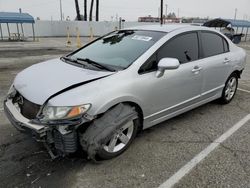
(119, 49)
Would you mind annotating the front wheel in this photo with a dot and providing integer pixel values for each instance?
(229, 89)
(119, 141)
(111, 133)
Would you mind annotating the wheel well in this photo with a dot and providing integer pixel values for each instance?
(137, 108)
(139, 111)
(132, 104)
(238, 73)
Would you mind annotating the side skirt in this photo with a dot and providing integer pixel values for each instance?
(148, 124)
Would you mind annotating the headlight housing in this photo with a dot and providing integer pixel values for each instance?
(64, 112)
(11, 91)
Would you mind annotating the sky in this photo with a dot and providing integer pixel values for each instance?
(130, 10)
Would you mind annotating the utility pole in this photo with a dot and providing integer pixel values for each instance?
(61, 14)
(97, 11)
(166, 14)
(85, 10)
(161, 12)
(235, 13)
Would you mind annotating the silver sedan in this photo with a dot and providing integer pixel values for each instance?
(98, 97)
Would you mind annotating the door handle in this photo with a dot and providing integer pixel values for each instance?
(196, 69)
(226, 61)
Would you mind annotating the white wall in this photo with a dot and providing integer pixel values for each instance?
(59, 28)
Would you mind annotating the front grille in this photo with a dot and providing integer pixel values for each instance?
(28, 109)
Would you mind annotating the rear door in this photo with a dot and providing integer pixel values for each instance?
(216, 63)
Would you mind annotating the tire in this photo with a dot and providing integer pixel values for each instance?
(129, 130)
(230, 89)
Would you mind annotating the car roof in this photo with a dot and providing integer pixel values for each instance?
(168, 27)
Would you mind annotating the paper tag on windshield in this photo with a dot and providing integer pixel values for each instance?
(143, 38)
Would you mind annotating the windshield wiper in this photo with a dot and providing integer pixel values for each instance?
(73, 61)
(69, 59)
(96, 64)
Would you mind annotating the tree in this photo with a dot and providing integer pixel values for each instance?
(85, 17)
(171, 15)
(78, 16)
(97, 11)
(91, 10)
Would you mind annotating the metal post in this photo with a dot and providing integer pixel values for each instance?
(8, 30)
(246, 35)
(1, 31)
(236, 30)
(161, 12)
(18, 33)
(33, 29)
(22, 29)
(17, 28)
(120, 23)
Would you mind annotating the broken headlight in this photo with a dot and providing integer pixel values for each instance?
(11, 91)
(64, 112)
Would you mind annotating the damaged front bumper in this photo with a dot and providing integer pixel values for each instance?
(19, 121)
(59, 139)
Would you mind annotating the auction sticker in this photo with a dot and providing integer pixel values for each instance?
(143, 38)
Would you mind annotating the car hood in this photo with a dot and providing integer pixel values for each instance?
(39, 82)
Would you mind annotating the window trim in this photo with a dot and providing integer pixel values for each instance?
(225, 41)
(200, 47)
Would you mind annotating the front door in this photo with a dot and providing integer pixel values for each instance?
(176, 89)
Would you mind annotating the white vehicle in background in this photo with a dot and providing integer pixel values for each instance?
(98, 97)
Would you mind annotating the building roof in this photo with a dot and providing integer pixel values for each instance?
(218, 22)
(12, 17)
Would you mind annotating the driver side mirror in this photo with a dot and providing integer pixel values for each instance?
(167, 64)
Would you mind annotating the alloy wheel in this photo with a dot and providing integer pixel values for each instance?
(120, 139)
(230, 88)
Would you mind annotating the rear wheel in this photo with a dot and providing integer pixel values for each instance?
(229, 89)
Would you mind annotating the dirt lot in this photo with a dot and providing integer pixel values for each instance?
(155, 155)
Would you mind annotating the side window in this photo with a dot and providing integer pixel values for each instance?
(226, 47)
(150, 65)
(184, 47)
(212, 44)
